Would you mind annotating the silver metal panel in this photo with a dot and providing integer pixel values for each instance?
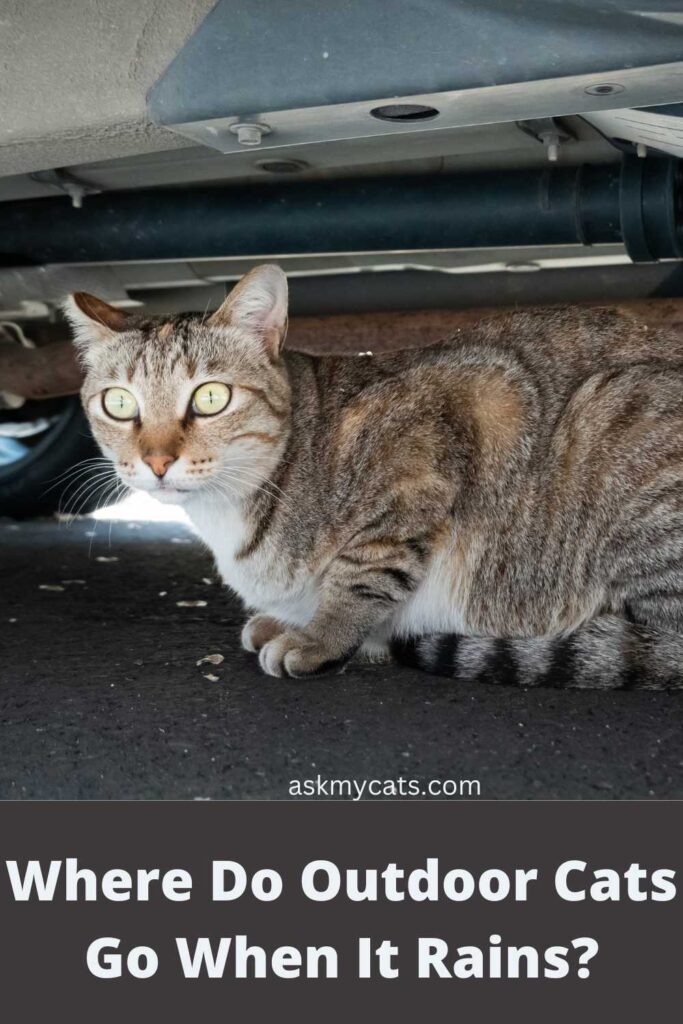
(30, 292)
(480, 147)
(556, 97)
(260, 55)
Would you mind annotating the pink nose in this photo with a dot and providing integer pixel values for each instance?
(159, 463)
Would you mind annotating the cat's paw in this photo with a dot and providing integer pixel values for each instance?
(258, 630)
(293, 654)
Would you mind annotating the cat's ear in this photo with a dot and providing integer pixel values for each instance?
(258, 303)
(92, 319)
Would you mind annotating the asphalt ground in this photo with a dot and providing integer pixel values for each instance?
(101, 695)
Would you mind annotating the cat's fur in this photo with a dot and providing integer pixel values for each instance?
(506, 505)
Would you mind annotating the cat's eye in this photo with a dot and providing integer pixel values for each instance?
(119, 404)
(210, 399)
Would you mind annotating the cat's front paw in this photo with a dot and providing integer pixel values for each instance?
(293, 654)
(258, 630)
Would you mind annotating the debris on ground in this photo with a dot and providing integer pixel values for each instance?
(191, 604)
(211, 659)
(211, 678)
(55, 587)
(244, 720)
(106, 558)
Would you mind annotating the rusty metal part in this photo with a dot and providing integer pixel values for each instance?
(45, 372)
(380, 332)
(386, 332)
(52, 370)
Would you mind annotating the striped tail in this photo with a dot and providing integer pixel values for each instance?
(607, 653)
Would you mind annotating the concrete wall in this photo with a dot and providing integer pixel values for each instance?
(74, 75)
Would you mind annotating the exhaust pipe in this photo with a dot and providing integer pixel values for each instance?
(637, 202)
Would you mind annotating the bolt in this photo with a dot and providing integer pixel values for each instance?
(76, 193)
(551, 141)
(249, 134)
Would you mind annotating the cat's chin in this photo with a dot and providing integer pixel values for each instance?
(169, 495)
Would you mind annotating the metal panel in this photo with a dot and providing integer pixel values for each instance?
(308, 72)
(411, 290)
(456, 109)
(263, 56)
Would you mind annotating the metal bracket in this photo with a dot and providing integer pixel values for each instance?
(548, 131)
(74, 187)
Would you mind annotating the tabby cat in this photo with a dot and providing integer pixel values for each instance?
(505, 506)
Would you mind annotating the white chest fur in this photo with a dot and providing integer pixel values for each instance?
(264, 581)
(437, 606)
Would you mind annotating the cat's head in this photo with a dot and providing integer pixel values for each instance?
(187, 404)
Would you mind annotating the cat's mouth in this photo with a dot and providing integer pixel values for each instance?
(167, 489)
(166, 492)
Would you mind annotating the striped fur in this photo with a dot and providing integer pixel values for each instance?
(607, 653)
(504, 506)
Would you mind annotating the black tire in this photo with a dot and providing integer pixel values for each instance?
(33, 485)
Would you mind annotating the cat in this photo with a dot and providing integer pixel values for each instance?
(506, 505)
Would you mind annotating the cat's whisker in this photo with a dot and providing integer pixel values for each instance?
(262, 487)
(222, 488)
(248, 472)
(83, 504)
(286, 507)
(78, 465)
(225, 488)
(206, 310)
(84, 492)
(81, 478)
(82, 469)
(70, 475)
(85, 488)
(216, 490)
(107, 493)
(84, 479)
(113, 495)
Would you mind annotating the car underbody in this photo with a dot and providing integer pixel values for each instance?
(407, 174)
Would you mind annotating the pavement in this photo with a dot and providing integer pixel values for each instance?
(101, 695)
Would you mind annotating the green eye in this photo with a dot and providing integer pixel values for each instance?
(120, 404)
(209, 399)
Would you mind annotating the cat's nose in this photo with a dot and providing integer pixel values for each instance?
(159, 463)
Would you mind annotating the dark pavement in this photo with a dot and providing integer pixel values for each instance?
(101, 696)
